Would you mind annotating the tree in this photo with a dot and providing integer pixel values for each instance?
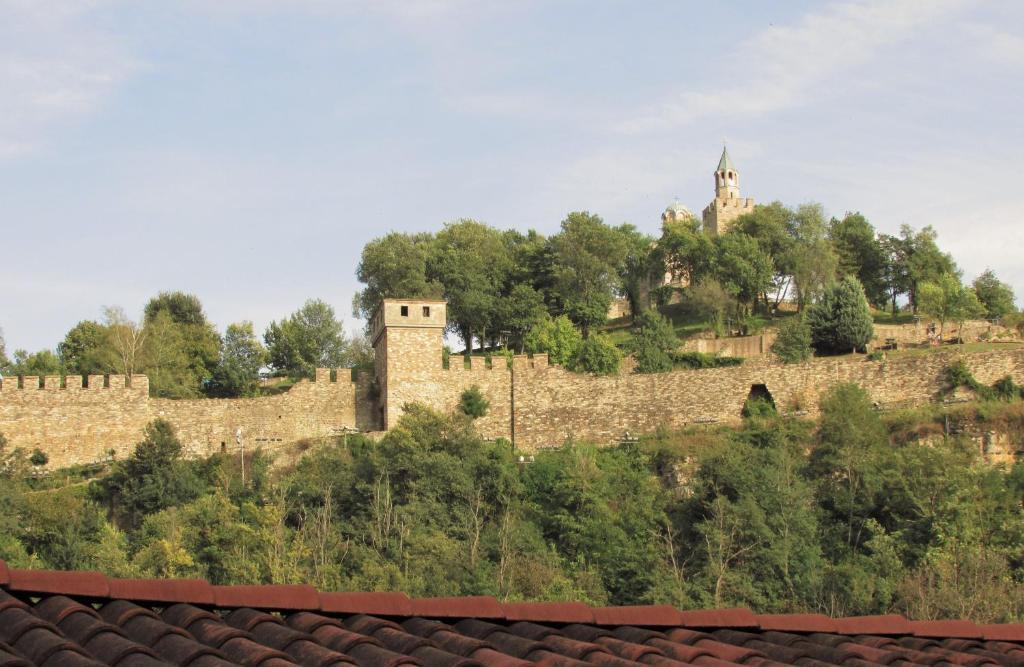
(653, 342)
(926, 263)
(154, 478)
(860, 254)
(793, 343)
(557, 336)
(40, 363)
(946, 299)
(841, 320)
(86, 350)
(685, 252)
(743, 268)
(813, 260)
(519, 311)
(598, 355)
(199, 342)
(772, 226)
(470, 260)
(995, 295)
(126, 339)
(4, 361)
(472, 403)
(164, 359)
(848, 463)
(394, 267)
(640, 266)
(588, 255)
(241, 357)
(895, 272)
(710, 302)
(312, 337)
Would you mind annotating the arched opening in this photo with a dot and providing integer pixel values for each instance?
(759, 403)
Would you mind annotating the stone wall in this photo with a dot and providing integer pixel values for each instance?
(83, 425)
(553, 405)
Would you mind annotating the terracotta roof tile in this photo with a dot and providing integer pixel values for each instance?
(889, 624)
(272, 596)
(796, 622)
(380, 604)
(192, 591)
(549, 612)
(945, 629)
(660, 615)
(83, 584)
(1010, 632)
(479, 606)
(52, 618)
(737, 617)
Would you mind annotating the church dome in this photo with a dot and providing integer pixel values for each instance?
(676, 211)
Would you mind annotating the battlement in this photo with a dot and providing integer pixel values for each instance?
(138, 384)
(479, 364)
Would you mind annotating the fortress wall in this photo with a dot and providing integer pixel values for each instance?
(553, 405)
(76, 424)
(83, 424)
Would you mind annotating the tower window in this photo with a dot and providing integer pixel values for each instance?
(405, 311)
(426, 311)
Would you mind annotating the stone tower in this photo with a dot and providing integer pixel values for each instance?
(408, 339)
(727, 205)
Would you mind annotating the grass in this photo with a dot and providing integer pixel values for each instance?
(685, 322)
(886, 317)
(967, 348)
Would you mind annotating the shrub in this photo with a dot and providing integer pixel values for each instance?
(841, 321)
(876, 355)
(39, 457)
(1006, 389)
(556, 336)
(654, 340)
(758, 407)
(473, 403)
(794, 342)
(598, 355)
(703, 360)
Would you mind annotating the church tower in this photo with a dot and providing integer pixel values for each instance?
(727, 205)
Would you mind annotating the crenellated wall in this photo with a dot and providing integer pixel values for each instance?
(78, 424)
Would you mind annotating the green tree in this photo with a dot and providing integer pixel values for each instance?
(588, 257)
(86, 350)
(813, 261)
(925, 262)
(860, 254)
(165, 359)
(472, 403)
(841, 320)
(310, 338)
(153, 478)
(995, 295)
(685, 251)
(743, 268)
(519, 311)
(947, 300)
(557, 336)
(4, 361)
(200, 343)
(640, 266)
(653, 342)
(895, 271)
(394, 267)
(470, 260)
(597, 355)
(39, 363)
(772, 226)
(793, 344)
(241, 357)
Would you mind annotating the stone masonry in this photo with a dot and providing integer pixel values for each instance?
(533, 404)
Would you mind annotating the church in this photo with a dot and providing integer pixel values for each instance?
(724, 208)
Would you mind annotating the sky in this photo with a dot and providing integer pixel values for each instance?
(246, 150)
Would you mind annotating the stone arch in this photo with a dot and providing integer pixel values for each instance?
(758, 392)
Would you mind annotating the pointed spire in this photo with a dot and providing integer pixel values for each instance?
(726, 162)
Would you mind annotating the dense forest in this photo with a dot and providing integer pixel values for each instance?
(844, 515)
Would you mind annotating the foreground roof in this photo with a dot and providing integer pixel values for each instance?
(74, 619)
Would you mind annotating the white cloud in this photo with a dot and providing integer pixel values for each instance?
(779, 67)
(54, 67)
(998, 45)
